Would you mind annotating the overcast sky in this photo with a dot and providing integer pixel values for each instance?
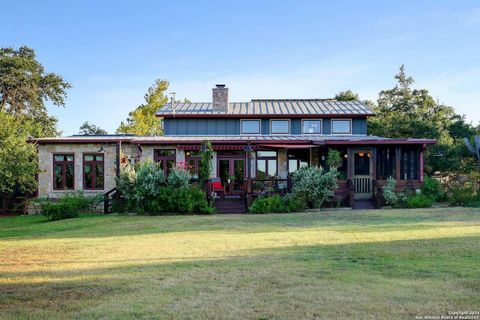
(112, 51)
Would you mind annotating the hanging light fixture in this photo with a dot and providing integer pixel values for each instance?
(361, 154)
(102, 149)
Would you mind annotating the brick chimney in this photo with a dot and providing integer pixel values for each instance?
(220, 98)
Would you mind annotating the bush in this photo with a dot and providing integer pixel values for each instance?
(149, 179)
(464, 197)
(181, 200)
(178, 178)
(432, 188)
(391, 197)
(276, 204)
(69, 206)
(127, 181)
(313, 185)
(418, 201)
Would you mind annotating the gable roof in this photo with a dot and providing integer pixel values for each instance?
(270, 108)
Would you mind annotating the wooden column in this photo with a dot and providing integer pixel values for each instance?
(374, 160)
(398, 156)
(350, 163)
(420, 163)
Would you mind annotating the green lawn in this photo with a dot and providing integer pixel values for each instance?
(378, 264)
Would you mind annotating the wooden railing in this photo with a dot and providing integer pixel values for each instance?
(268, 186)
(108, 198)
(378, 199)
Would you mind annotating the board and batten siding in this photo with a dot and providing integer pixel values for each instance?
(216, 126)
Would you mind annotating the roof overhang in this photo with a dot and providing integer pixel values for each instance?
(259, 116)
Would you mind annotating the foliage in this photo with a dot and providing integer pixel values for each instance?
(474, 149)
(464, 196)
(190, 200)
(149, 179)
(205, 170)
(432, 189)
(126, 182)
(25, 86)
(178, 178)
(389, 193)
(334, 159)
(346, 96)
(418, 200)
(18, 158)
(91, 129)
(143, 121)
(313, 186)
(69, 206)
(277, 204)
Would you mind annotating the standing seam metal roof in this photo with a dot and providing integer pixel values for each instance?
(272, 107)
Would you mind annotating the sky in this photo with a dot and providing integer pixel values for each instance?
(112, 51)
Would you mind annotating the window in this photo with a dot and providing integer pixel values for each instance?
(93, 172)
(297, 158)
(341, 126)
(409, 163)
(312, 126)
(63, 172)
(386, 163)
(250, 126)
(192, 159)
(166, 158)
(279, 126)
(266, 164)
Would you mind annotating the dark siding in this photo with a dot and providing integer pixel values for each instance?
(359, 126)
(296, 126)
(205, 126)
(327, 126)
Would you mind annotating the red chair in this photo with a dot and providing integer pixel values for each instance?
(217, 187)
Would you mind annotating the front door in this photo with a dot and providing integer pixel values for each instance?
(362, 178)
(232, 173)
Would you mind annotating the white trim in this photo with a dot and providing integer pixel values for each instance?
(247, 133)
(279, 134)
(313, 119)
(341, 119)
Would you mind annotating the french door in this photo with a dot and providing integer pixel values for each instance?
(232, 173)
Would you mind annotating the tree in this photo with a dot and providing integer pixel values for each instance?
(91, 129)
(346, 96)
(18, 158)
(25, 86)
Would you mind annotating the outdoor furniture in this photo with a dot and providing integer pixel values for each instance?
(217, 187)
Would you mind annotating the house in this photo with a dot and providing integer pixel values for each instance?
(255, 144)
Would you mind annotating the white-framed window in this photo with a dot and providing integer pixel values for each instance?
(280, 126)
(312, 126)
(250, 126)
(341, 126)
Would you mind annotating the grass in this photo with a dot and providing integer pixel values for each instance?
(361, 264)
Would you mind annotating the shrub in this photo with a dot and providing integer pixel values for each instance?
(69, 206)
(464, 197)
(181, 200)
(313, 185)
(276, 204)
(432, 188)
(334, 159)
(178, 178)
(418, 201)
(391, 197)
(126, 182)
(149, 179)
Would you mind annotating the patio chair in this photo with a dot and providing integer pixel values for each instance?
(217, 187)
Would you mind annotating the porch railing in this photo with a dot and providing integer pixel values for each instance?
(268, 186)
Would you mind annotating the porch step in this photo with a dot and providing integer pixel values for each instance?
(227, 205)
(363, 204)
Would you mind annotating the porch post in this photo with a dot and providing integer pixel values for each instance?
(398, 156)
(374, 160)
(350, 163)
(420, 163)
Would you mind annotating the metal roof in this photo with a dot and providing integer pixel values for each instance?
(272, 107)
(228, 139)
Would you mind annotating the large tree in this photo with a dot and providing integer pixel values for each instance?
(18, 158)
(25, 86)
(90, 129)
(142, 121)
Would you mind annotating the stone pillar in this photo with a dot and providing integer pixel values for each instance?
(214, 165)
(314, 158)
(282, 163)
